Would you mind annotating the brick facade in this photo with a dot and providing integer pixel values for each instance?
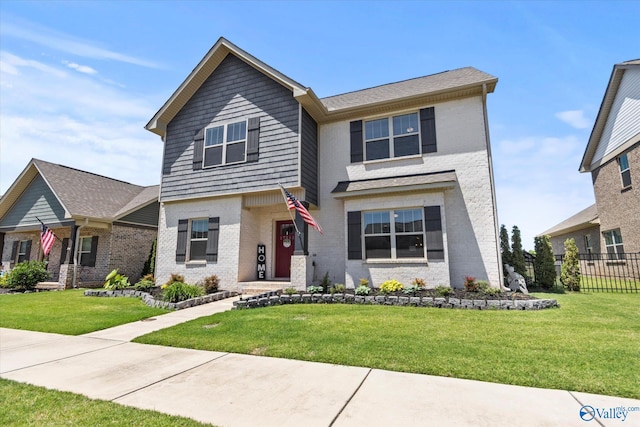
(618, 207)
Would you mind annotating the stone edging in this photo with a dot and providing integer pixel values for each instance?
(152, 302)
(273, 298)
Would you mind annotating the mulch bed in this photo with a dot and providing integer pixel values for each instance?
(456, 293)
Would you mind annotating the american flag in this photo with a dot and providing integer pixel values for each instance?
(293, 203)
(47, 238)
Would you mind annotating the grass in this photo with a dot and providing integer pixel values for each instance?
(590, 344)
(28, 405)
(70, 312)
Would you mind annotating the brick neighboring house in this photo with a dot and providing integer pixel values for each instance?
(102, 223)
(612, 156)
(399, 176)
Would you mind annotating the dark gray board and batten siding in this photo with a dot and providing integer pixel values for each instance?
(234, 91)
(309, 158)
(147, 215)
(36, 201)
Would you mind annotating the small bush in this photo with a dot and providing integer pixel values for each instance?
(175, 278)
(570, 269)
(179, 291)
(338, 288)
(391, 286)
(145, 284)
(314, 289)
(26, 275)
(419, 283)
(363, 290)
(3, 281)
(326, 283)
(290, 291)
(483, 285)
(411, 289)
(210, 284)
(444, 291)
(364, 282)
(470, 284)
(492, 291)
(116, 281)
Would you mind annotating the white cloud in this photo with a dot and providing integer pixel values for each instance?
(71, 119)
(81, 68)
(44, 36)
(574, 118)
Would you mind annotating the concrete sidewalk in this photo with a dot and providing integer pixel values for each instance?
(229, 389)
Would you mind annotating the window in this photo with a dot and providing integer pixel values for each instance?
(87, 249)
(613, 244)
(198, 239)
(397, 136)
(24, 249)
(625, 172)
(225, 144)
(394, 234)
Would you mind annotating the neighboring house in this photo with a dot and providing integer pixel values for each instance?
(399, 177)
(612, 156)
(583, 227)
(101, 223)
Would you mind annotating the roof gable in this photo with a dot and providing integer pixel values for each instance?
(586, 218)
(617, 125)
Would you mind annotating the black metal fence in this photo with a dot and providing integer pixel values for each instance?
(603, 272)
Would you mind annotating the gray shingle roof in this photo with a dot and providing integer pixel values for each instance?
(395, 183)
(583, 219)
(89, 195)
(409, 88)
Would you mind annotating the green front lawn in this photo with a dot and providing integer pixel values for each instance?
(590, 344)
(27, 405)
(70, 312)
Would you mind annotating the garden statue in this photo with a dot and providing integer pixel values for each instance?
(516, 281)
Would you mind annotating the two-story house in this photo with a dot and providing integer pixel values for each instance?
(399, 177)
(612, 155)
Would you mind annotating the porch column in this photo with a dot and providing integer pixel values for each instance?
(304, 229)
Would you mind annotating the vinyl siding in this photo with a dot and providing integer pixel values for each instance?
(309, 158)
(234, 91)
(147, 215)
(37, 201)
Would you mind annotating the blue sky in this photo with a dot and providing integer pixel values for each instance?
(80, 79)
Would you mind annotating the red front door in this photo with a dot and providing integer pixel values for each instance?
(285, 245)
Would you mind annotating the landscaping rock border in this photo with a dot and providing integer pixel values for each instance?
(152, 302)
(274, 298)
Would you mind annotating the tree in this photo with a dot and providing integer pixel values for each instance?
(570, 271)
(517, 257)
(544, 265)
(505, 251)
(150, 264)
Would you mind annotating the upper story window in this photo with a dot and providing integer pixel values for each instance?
(389, 137)
(625, 172)
(225, 144)
(613, 244)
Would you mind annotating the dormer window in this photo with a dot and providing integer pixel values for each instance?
(225, 144)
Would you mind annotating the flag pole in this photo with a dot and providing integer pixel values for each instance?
(54, 234)
(292, 218)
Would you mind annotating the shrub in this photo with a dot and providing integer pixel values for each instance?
(470, 284)
(179, 291)
(116, 281)
(483, 286)
(3, 281)
(419, 283)
(173, 279)
(145, 284)
(544, 264)
(570, 270)
(326, 283)
(314, 289)
(363, 290)
(364, 282)
(492, 291)
(338, 288)
(290, 291)
(26, 275)
(150, 264)
(443, 291)
(391, 286)
(411, 289)
(517, 255)
(210, 284)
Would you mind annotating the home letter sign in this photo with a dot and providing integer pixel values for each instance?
(262, 262)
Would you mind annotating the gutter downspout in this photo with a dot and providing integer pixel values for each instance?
(493, 186)
(75, 252)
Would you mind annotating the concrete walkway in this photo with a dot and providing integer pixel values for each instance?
(228, 389)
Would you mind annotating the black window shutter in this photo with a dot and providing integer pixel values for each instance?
(14, 251)
(27, 256)
(63, 253)
(428, 130)
(212, 239)
(433, 228)
(181, 248)
(198, 149)
(89, 260)
(354, 235)
(356, 142)
(253, 139)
